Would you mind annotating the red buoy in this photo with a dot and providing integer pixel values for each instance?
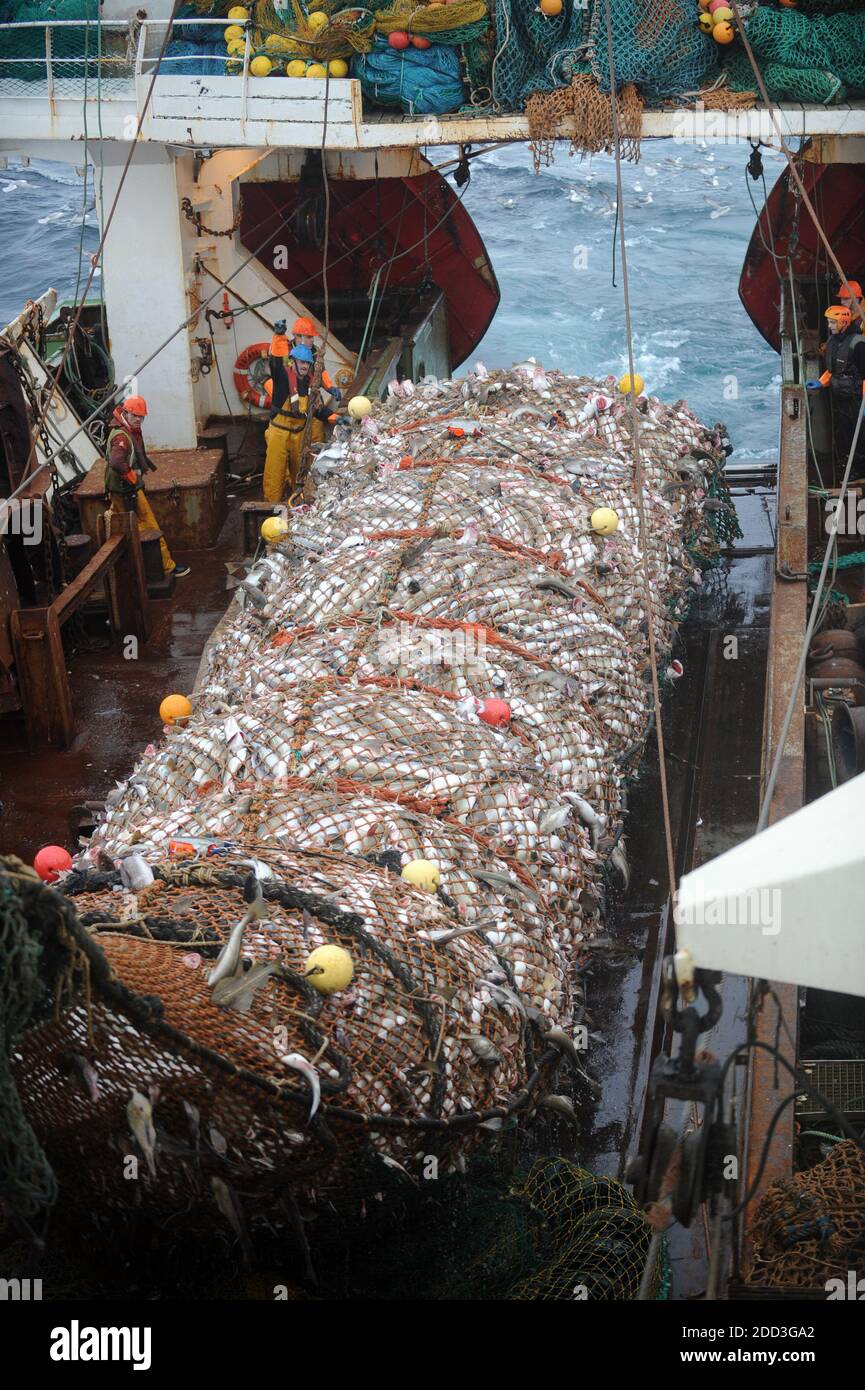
(398, 39)
(495, 712)
(51, 862)
(418, 41)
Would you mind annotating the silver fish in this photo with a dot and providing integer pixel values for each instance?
(139, 1113)
(193, 1118)
(554, 819)
(563, 1105)
(239, 991)
(135, 873)
(559, 1038)
(228, 960)
(231, 1209)
(299, 1063)
(84, 1070)
(253, 896)
(505, 997)
(499, 880)
(619, 861)
(484, 1050)
(443, 935)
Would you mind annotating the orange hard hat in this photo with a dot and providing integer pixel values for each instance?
(305, 327)
(135, 405)
(837, 313)
(851, 289)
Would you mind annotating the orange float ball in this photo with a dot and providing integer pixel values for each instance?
(495, 712)
(550, 7)
(724, 32)
(398, 39)
(51, 862)
(174, 708)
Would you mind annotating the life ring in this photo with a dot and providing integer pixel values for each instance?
(252, 376)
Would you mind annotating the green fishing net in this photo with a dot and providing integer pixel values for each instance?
(535, 53)
(658, 46)
(812, 58)
(73, 51)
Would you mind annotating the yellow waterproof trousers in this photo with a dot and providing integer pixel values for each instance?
(146, 521)
(284, 436)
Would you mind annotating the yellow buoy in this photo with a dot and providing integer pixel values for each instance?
(358, 407)
(261, 66)
(316, 70)
(721, 13)
(296, 68)
(626, 387)
(705, 22)
(274, 528)
(278, 43)
(238, 12)
(233, 31)
(174, 708)
(317, 20)
(329, 968)
(604, 521)
(338, 67)
(422, 873)
(236, 47)
(233, 66)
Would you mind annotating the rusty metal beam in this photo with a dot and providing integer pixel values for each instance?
(768, 1084)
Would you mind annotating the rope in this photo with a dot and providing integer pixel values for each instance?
(638, 466)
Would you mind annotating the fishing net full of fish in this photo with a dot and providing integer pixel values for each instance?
(442, 664)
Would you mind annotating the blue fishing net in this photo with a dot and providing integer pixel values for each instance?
(535, 53)
(421, 82)
(657, 44)
(811, 58)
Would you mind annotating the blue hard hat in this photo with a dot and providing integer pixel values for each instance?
(301, 352)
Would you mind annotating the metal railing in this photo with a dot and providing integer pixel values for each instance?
(63, 58)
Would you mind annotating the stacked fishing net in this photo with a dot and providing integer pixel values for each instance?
(443, 662)
(813, 58)
(812, 1229)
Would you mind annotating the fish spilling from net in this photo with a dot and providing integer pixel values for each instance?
(444, 662)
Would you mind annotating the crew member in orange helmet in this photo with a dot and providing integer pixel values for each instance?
(125, 469)
(845, 378)
(850, 297)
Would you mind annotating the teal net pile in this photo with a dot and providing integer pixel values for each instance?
(535, 53)
(74, 51)
(657, 45)
(813, 58)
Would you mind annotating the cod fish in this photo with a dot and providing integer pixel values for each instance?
(299, 1063)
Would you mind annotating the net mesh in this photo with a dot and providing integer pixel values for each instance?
(812, 1228)
(658, 46)
(812, 58)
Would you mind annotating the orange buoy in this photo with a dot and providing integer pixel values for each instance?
(174, 708)
(724, 32)
(550, 8)
(51, 861)
(495, 712)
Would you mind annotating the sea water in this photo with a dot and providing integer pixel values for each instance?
(552, 239)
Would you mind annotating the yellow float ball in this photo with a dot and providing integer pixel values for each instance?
(358, 407)
(277, 43)
(261, 66)
(329, 969)
(296, 68)
(338, 67)
(233, 31)
(422, 873)
(236, 48)
(550, 7)
(720, 14)
(316, 70)
(705, 22)
(317, 20)
(723, 32)
(626, 387)
(273, 529)
(604, 521)
(238, 12)
(174, 708)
